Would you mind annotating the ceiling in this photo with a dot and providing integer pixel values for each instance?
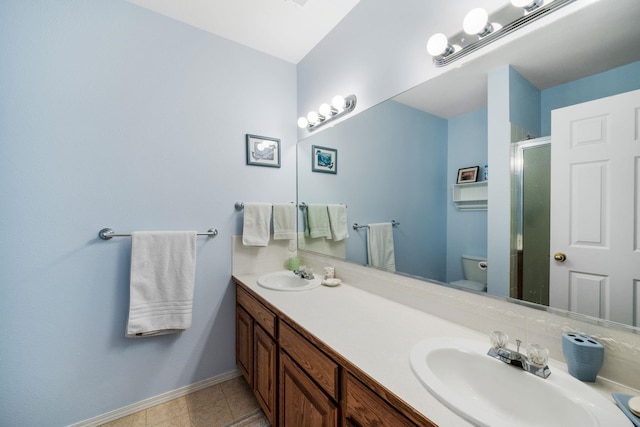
(285, 29)
(595, 38)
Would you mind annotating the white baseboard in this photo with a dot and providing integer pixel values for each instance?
(156, 400)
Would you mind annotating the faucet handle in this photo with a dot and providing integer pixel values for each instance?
(538, 355)
(498, 339)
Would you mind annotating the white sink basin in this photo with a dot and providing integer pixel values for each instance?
(488, 392)
(287, 281)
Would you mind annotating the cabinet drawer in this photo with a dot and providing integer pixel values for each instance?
(262, 315)
(315, 363)
(364, 408)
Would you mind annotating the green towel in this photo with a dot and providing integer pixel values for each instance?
(318, 221)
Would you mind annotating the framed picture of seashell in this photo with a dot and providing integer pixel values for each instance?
(324, 159)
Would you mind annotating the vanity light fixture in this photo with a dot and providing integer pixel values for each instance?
(339, 107)
(481, 28)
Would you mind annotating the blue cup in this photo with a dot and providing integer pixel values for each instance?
(584, 356)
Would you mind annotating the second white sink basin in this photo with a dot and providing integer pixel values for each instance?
(488, 392)
(287, 281)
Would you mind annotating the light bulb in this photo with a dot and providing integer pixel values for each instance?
(338, 102)
(313, 117)
(475, 22)
(325, 110)
(527, 5)
(303, 122)
(437, 44)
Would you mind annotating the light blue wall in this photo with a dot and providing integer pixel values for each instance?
(394, 153)
(466, 230)
(619, 80)
(111, 115)
(524, 102)
(499, 155)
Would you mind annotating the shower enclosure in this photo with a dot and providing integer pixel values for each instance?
(531, 174)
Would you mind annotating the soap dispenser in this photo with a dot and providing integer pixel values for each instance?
(294, 261)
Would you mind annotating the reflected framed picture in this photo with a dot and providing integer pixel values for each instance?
(324, 159)
(469, 174)
(263, 151)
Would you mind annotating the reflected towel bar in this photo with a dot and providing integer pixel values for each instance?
(240, 205)
(303, 205)
(108, 233)
(356, 227)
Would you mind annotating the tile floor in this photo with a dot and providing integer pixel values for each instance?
(216, 406)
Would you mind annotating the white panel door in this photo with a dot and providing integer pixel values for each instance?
(595, 208)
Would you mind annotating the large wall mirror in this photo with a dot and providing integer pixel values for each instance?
(399, 160)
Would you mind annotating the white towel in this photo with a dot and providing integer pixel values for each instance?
(284, 221)
(163, 268)
(338, 222)
(318, 221)
(257, 220)
(380, 246)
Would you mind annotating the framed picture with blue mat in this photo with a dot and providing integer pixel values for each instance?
(324, 159)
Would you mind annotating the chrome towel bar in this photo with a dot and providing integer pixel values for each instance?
(108, 233)
(356, 226)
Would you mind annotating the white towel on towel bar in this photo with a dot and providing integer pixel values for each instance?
(338, 221)
(380, 246)
(256, 224)
(284, 221)
(163, 266)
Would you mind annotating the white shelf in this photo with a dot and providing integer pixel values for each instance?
(472, 196)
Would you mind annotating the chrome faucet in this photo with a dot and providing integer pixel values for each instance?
(535, 363)
(304, 273)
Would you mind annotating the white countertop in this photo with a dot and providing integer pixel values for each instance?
(377, 335)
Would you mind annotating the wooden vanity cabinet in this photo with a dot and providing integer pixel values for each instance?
(257, 351)
(311, 384)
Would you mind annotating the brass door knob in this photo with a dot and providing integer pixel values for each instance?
(560, 257)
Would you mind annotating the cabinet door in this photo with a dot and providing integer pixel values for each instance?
(302, 402)
(244, 344)
(264, 371)
(363, 408)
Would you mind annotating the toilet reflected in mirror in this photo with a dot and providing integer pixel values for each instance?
(475, 273)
